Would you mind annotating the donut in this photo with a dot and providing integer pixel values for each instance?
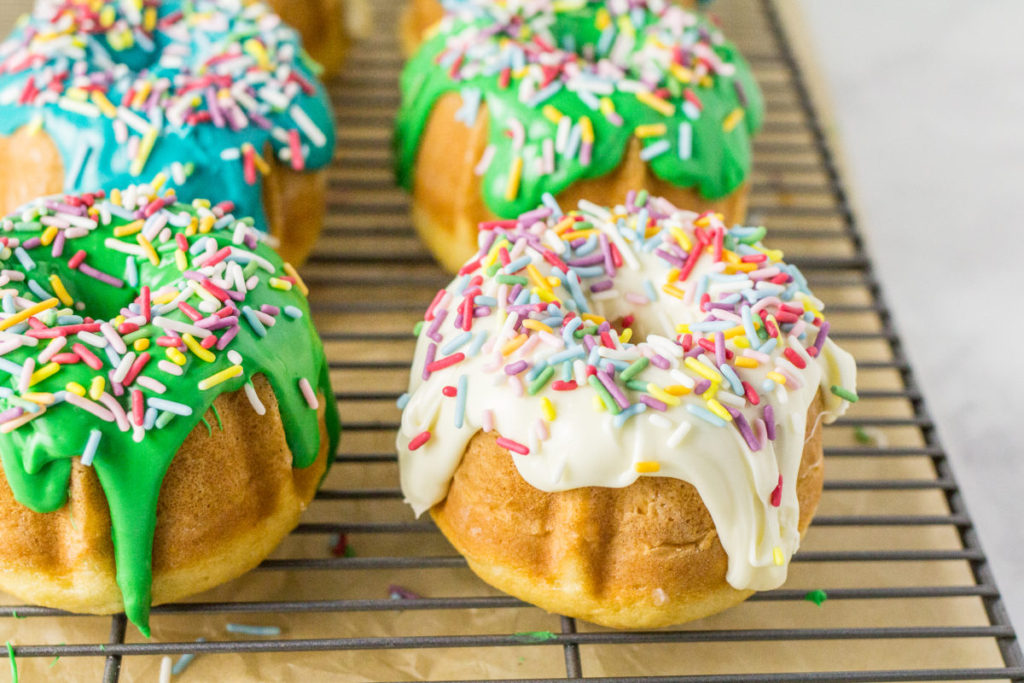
(165, 407)
(506, 105)
(197, 95)
(322, 25)
(421, 16)
(614, 414)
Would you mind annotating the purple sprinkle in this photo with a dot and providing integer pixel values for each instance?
(606, 250)
(652, 402)
(400, 593)
(489, 238)
(660, 361)
(58, 244)
(769, 421)
(819, 342)
(227, 337)
(744, 428)
(11, 414)
(613, 389)
(588, 260)
(481, 311)
(530, 217)
(740, 93)
(602, 286)
(217, 323)
(270, 309)
(432, 331)
(514, 293)
(674, 260)
(516, 368)
(431, 353)
(701, 386)
(31, 243)
(588, 342)
(102, 277)
(719, 348)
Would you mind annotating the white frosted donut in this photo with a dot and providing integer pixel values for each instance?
(602, 351)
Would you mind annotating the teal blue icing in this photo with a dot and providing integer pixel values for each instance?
(93, 159)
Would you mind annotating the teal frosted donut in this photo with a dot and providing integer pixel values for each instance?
(123, 320)
(193, 91)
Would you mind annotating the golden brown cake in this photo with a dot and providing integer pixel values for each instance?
(322, 25)
(667, 105)
(615, 413)
(173, 418)
(249, 118)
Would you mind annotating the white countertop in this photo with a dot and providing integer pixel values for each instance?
(930, 118)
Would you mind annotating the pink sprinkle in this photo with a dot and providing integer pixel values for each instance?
(419, 440)
(487, 420)
(308, 394)
(777, 494)
(513, 446)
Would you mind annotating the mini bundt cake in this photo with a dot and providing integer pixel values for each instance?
(508, 104)
(615, 414)
(165, 406)
(190, 95)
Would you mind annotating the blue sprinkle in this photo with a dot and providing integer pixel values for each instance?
(26, 261)
(573, 352)
(89, 452)
(481, 300)
(403, 400)
(653, 151)
(575, 140)
(186, 659)
(536, 369)
(705, 414)
(248, 630)
(169, 406)
(10, 367)
(516, 265)
(768, 386)
(112, 355)
(474, 348)
(131, 272)
(38, 290)
(460, 401)
(549, 201)
(652, 293)
(629, 412)
(69, 319)
(567, 332)
(769, 345)
(456, 343)
(254, 322)
(292, 312)
(734, 380)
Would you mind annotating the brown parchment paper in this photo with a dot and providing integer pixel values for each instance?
(369, 291)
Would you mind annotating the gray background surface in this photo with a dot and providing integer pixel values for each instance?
(929, 112)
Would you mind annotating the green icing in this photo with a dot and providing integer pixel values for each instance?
(131, 464)
(718, 160)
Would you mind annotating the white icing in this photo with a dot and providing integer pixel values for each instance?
(584, 447)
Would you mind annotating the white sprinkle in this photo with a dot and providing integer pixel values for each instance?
(151, 384)
(254, 399)
(235, 357)
(165, 669)
(170, 368)
(180, 327)
(302, 120)
(308, 394)
(113, 337)
(679, 434)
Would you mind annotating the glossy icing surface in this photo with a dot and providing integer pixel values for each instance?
(195, 90)
(568, 84)
(122, 320)
(607, 345)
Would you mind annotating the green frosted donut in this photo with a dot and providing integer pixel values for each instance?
(123, 319)
(567, 83)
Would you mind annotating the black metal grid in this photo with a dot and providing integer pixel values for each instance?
(368, 239)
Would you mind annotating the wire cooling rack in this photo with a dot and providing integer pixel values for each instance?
(910, 593)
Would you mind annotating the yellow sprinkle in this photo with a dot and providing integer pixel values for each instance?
(677, 389)
(44, 398)
(197, 349)
(656, 103)
(626, 335)
(778, 556)
(603, 19)
(47, 237)
(48, 370)
(598, 404)
(537, 278)
(662, 395)
(129, 228)
(607, 106)
(514, 176)
(257, 159)
(117, 321)
(681, 73)
(776, 377)
(290, 271)
(650, 130)
(278, 283)
(734, 332)
(107, 16)
(75, 388)
(147, 246)
(718, 409)
(553, 281)
(141, 344)
(149, 22)
(703, 370)
(192, 228)
(513, 344)
(552, 114)
(672, 290)
(773, 255)
(60, 290)
(734, 117)
(158, 182)
(647, 467)
(28, 313)
(740, 268)
(548, 409)
(537, 325)
(808, 306)
(219, 377)
(176, 356)
(586, 130)
(563, 225)
(744, 362)
(576, 235)
(115, 197)
(741, 342)
(206, 223)
(101, 101)
(165, 298)
(180, 260)
(258, 52)
(591, 318)
(682, 239)
(96, 387)
(672, 275)
(142, 155)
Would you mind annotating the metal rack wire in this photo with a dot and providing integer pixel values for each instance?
(911, 595)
